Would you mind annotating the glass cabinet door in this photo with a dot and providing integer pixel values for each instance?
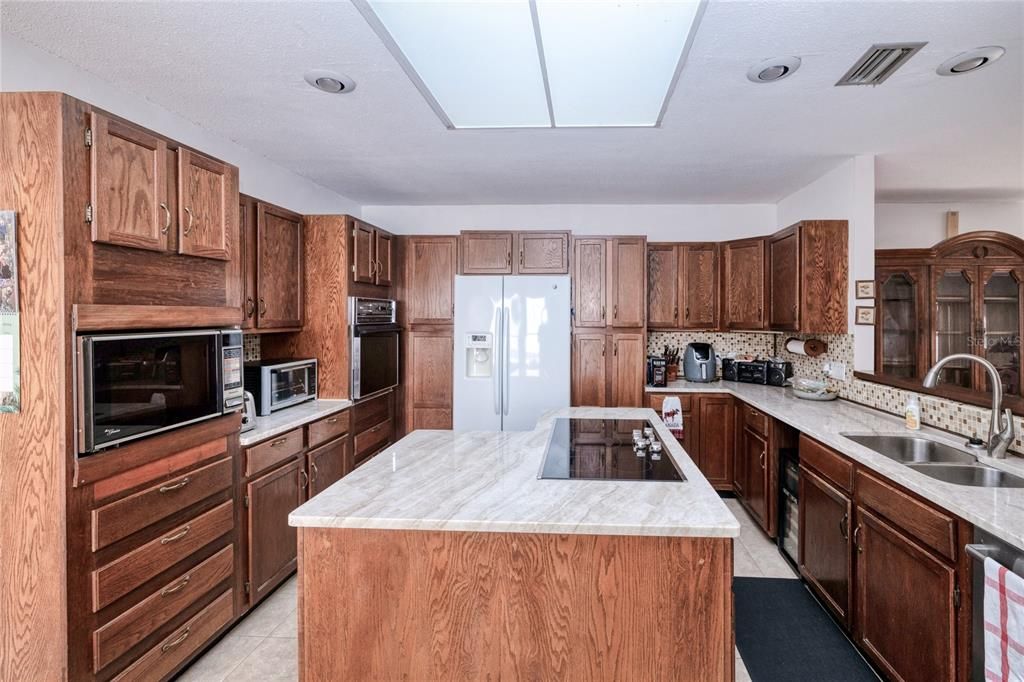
(1001, 324)
(900, 345)
(953, 324)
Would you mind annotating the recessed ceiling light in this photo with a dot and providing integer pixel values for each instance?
(329, 81)
(771, 70)
(540, 63)
(970, 61)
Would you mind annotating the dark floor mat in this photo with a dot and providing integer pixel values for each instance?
(784, 635)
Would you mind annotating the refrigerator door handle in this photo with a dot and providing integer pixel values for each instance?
(507, 361)
(496, 361)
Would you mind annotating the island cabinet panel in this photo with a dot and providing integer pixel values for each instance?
(430, 280)
(663, 286)
(542, 253)
(129, 185)
(472, 606)
(486, 253)
(826, 517)
(270, 498)
(627, 283)
(279, 267)
(743, 284)
(590, 295)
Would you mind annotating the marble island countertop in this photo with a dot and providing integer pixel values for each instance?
(487, 481)
(997, 510)
(290, 418)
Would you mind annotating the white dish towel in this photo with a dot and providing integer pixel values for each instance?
(1004, 624)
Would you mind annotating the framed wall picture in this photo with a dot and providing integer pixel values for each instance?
(865, 289)
(865, 315)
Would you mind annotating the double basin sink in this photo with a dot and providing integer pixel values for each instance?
(938, 460)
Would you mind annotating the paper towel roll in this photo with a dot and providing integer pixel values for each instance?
(810, 347)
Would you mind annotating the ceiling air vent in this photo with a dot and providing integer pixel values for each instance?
(879, 62)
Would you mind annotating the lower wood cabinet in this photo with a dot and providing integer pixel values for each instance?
(753, 449)
(608, 370)
(272, 542)
(826, 519)
(428, 385)
(708, 433)
(328, 464)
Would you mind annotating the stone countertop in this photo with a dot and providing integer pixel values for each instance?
(487, 481)
(290, 418)
(997, 510)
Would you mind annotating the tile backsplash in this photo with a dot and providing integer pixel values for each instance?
(250, 347)
(949, 415)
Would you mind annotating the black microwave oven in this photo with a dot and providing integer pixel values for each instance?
(133, 385)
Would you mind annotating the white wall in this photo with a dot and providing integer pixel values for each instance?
(24, 67)
(903, 226)
(660, 222)
(845, 193)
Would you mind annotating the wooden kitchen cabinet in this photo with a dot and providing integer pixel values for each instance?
(743, 284)
(542, 253)
(373, 426)
(825, 561)
(272, 542)
(902, 591)
(205, 190)
(429, 387)
(754, 451)
(689, 405)
(808, 266)
(383, 248)
(590, 277)
(663, 278)
(327, 464)
(247, 243)
(626, 282)
(589, 369)
(717, 433)
(430, 280)
(372, 254)
(699, 285)
(627, 369)
(280, 259)
(486, 253)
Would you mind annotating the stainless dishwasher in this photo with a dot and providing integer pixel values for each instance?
(985, 546)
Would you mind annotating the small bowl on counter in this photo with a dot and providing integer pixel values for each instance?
(813, 389)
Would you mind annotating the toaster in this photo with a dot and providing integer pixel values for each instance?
(753, 372)
(699, 362)
(779, 372)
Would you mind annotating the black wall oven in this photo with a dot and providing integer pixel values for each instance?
(138, 384)
(374, 336)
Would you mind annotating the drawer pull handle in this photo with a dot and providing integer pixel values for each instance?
(172, 645)
(332, 420)
(316, 472)
(844, 529)
(177, 486)
(761, 459)
(305, 478)
(279, 441)
(176, 588)
(856, 540)
(177, 536)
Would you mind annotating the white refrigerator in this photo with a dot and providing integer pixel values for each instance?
(512, 350)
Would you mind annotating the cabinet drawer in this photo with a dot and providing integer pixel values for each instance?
(370, 441)
(273, 451)
(930, 526)
(138, 622)
(328, 428)
(830, 464)
(371, 412)
(159, 661)
(656, 400)
(755, 419)
(118, 520)
(123, 575)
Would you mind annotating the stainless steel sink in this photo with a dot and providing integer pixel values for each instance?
(913, 449)
(978, 475)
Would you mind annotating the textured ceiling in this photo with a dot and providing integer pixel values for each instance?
(236, 69)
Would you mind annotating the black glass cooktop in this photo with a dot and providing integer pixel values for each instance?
(607, 449)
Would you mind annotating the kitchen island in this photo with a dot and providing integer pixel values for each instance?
(446, 557)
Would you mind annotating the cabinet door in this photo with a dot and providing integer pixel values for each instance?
(743, 284)
(589, 373)
(247, 235)
(740, 467)
(716, 415)
(954, 323)
(627, 282)
(129, 186)
(755, 452)
(784, 272)
(279, 275)
(628, 370)
(327, 464)
(364, 266)
(903, 591)
(663, 286)
(699, 295)
(825, 549)
(430, 390)
(272, 542)
(206, 190)
(589, 283)
(1000, 318)
(383, 243)
(431, 280)
(901, 342)
(542, 253)
(486, 253)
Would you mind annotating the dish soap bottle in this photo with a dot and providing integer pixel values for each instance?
(913, 413)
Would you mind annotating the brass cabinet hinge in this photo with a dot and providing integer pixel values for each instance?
(88, 213)
(246, 501)
(248, 586)
(88, 137)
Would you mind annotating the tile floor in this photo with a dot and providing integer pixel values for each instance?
(264, 646)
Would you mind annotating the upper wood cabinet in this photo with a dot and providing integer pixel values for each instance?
(430, 279)
(205, 190)
(129, 186)
(808, 270)
(514, 253)
(743, 284)
(609, 286)
(486, 253)
(140, 200)
(280, 258)
(626, 282)
(590, 276)
(663, 286)
(372, 254)
(247, 233)
(699, 286)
